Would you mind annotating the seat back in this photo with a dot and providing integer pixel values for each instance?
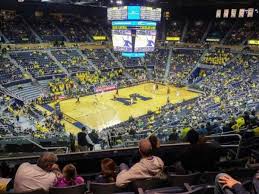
(30, 192)
(102, 188)
(78, 189)
(208, 177)
(171, 190)
(179, 180)
(150, 183)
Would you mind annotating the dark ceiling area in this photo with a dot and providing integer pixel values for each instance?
(193, 8)
(157, 3)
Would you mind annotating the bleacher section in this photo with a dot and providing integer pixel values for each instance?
(217, 56)
(241, 32)
(71, 60)
(195, 31)
(73, 28)
(101, 58)
(175, 28)
(16, 30)
(219, 29)
(46, 29)
(9, 72)
(182, 63)
(38, 63)
(27, 91)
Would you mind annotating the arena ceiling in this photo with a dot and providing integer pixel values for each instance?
(160, 3)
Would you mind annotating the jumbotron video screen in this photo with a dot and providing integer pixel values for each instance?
(122, 40)
(145, 40)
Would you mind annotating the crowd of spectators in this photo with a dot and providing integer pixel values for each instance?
(217, 57)
(182, 63)
(71, 60)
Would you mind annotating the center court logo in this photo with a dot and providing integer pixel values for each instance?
(133, 99)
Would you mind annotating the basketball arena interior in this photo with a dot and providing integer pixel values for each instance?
(129, 96)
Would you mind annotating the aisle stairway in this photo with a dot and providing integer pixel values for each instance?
(27, 91)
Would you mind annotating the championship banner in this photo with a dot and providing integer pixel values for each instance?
(105, 88)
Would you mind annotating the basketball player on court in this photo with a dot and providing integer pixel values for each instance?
(131, 100)
(168, 100)
(168, 90)
(77, 99)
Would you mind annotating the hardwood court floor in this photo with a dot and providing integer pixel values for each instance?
(101, 110)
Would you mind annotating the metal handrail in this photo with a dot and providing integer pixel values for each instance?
(230, 145)
(33, 142)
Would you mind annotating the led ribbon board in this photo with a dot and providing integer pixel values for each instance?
(133, 55)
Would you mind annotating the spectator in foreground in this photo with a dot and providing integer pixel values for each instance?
(149, 166)
(42, 175)
(225, 184)
(155, 144)
(70, 177)
(200, 155)
(108, 174)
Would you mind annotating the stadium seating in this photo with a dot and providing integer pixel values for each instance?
(182, 63)
(241, 31)
(219, 29)
(47, 30)
(175, 28)
(8, 72)
(196, 30)
(16, 31)
(38, 63)
(101, 58)
(73, 28)
(71, 60)
(217, 57)
(79, 189)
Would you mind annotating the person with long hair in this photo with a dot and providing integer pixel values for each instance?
(70, 177)
(108, 174)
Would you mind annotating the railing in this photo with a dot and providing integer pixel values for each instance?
(230, 145)
(27, 138)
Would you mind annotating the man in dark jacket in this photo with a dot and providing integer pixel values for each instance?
(84, 142)
(200, 156)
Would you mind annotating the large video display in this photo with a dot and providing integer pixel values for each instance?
(122, 40)
(145, 40)
(134, 13)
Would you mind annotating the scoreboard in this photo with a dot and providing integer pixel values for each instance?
(134, 13)
(149, 13)
(117, 13)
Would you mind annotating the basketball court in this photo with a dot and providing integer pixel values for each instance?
(103, 110)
